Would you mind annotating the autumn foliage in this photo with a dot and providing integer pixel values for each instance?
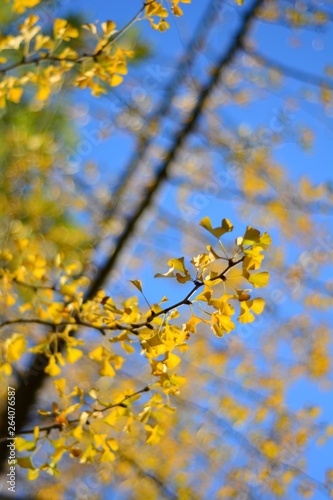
(130, 389)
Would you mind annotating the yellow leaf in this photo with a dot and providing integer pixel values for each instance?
(52, 368)
(258, 305)
(107, 456)
(191, 325)
(153, 346)
(245, 316)
(112, 417)
(78, 432)
(221, 324)
(225, 227)
(109, 27)
(71, 32)
(99, 440)
(154, 434)
(253, 258)
(259, 279)
(24, 445)
(177, 11)
(21, 6)
(43, 42)
(113, 444)
(265, 240)
(162, 25)
(90, 27)
(270, 449)
(58, 25)
(115, 80)
(61, 29)
(15, 347)
(15, 94)
(36, 432)
(251, 236)
(178, 264)
(73, 354)
(6, 368)
(43, 92)
(137, 284)
(60, 385)
(32, 474)
(106, 369)
(97, 354)
(171, 360)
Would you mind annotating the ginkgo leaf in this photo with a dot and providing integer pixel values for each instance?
(253, 258)
(15, 347)
(90, 27)
(32, 474)
(178, 264)
(245, 316)
(259, 279)
(60, 384)
(251, 236)
(265, 240)
(52, 368)
(222, 324)
(15, 94)
(191, 325)
(137, 284)
(225, 323)
(107, 456)
(243, 295)
(108, 27)
(106, 370)
(113, 444)
(258, 305)
(58, 25)
(115, 80)
(225, 227)
(97, 354)
(43, 92)
(154, 434)
(22, 444)
(171, 360)
(72, 354)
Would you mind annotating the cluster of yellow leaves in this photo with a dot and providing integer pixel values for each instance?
(33, 47)
(157, 14)
(60, 306)
(90, 429)
(49, 58)
(298, 18)
(106, 68)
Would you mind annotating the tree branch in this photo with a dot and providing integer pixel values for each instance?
(294, 73)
